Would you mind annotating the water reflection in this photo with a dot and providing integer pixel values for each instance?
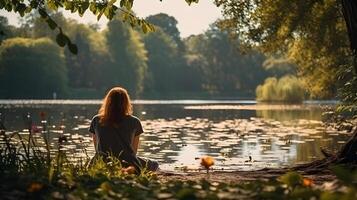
(238, 136)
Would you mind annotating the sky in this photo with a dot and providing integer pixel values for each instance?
(192, 19)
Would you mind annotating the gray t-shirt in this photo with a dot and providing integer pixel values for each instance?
(117, 141)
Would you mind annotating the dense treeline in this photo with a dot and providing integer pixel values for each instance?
(155, 65)
(312, 35)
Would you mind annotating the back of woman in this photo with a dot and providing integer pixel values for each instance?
(116, 131)
(116, 140)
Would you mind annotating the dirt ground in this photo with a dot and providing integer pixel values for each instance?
(318, 176)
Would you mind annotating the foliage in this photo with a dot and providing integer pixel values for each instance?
(286, 89)
(311, 34)
(38, 73)
(168, 25)
(128, 57)
(225, 69)
(33, 176)
(6, 31)
(348, 91)
(98, 8)
(154, 65)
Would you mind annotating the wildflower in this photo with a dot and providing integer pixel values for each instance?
(34, 187)
(42, 115)
(207, 162)
(35, 129)
(307, 182)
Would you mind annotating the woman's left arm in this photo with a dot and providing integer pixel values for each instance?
(135, 144)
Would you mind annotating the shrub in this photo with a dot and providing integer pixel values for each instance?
(286, 89)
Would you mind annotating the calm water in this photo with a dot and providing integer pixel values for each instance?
(177, 133)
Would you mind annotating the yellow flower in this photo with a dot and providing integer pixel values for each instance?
(34, 187)
(207, 162)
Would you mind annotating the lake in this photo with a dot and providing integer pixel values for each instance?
(239, 135)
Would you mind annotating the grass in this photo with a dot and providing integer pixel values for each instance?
(28, 172)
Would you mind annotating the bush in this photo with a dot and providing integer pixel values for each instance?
(286, 89)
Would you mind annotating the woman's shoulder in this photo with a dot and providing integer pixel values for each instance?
(133, 118)
(95, 118)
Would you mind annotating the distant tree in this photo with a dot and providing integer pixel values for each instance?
(168, 24)
(6, 31)
(226, 70)
(38, 73)
(128, 57)
(82, 72)
(162, 53)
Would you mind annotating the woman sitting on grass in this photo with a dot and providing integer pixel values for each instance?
(116, 131)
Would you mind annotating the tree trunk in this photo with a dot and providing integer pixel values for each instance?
(348, 153)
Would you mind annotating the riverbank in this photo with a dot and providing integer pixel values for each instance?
(240, 177)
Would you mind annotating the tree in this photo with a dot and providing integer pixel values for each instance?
(98, 8)
(168, 25)
(311, 34)
(38, 73)
(225, 69)
(162, 53)
(128, 57)
(6, 31)
(82, 71)
(170, 74)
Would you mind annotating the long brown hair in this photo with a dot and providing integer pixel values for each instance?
(116, 105)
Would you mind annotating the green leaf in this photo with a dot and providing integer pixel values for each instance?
(111, 2)
(20, 8)
(8, 7)
(191, 1)
(68, 5)
(52, 5)
(109, 12)
(85, 6)
(43, 13)
(28, 9)
(61, 39)
(145, 28)
(129, 4)
(52, 24)
(81, 11)
(93, 8)
(2, 4)
(73, 48)
(100, 13)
